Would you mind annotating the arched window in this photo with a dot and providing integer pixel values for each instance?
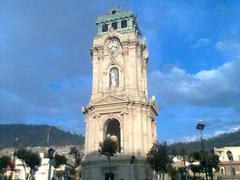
(104, 28)
(124, 24)
(115, 25)
(112, 130)
(114, 77)
(222, 170)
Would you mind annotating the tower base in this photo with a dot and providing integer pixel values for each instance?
(97, 167)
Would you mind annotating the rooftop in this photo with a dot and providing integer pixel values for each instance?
(118, 20)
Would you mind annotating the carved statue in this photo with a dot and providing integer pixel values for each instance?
(113, 78)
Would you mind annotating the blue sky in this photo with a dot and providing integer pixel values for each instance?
(194, 66)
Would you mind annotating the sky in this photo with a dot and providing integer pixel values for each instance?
(193, 68)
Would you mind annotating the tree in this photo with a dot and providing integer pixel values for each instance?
(195, 155)
(29, 159)
(59, 174)
(178, 151)
(208, 163)
(172, 171)
(77, 160)
(158, 158)
(21, 155)
(196, 169)
(5, 161)
(77, 156)
(108, 148)
(212, 162)
(59, 160)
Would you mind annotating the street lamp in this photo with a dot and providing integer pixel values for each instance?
(200, 126)
(50, 156)
(230, 158)
(132, 160)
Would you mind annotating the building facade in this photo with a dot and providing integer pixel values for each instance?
(21, 171)
(119, 105)
(228, 169)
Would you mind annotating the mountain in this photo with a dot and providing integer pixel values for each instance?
(223, 140)
(36, 135)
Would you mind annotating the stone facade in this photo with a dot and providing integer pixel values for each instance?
(224, 163)
(119, 104)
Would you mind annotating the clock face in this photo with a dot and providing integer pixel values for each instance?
(112, 46)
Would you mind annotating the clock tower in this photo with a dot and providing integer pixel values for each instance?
(119, 105)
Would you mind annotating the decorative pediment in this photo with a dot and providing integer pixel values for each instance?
(110, 99)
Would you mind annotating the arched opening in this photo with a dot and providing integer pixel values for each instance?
(112, 130)
(114, 77)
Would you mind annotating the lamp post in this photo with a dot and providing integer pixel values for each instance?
(110, 169)
(132, 160)
(200, 126)
(50, 156)
(230, 158)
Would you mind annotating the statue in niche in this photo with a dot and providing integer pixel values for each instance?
(113, 77)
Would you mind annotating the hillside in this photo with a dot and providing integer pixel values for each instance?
(36, 135)
(228, 139)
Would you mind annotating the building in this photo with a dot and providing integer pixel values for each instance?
(21, 171)
(119, 105)
(64, 171)
(225, 164)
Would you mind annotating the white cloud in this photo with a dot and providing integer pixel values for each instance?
(230, 45)
(217, 133)
(220, 132)
(185, 139)
(235, 129)
(211, 88)
(227, 45)
(202, 42)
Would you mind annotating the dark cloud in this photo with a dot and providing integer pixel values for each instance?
(44, 43)
(45, 66)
